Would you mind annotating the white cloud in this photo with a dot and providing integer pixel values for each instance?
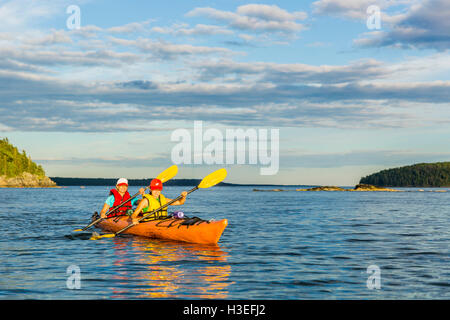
(87, 32)
(199, 29)
(16, 14)
(292, 72)
(270, 12)
(5, 128)
(357, 9)
(167, 50)
(46, 57)
(256, 18)
(78, 106)
(405, 23)
(426, 25)
(207, 84)
(48, 39)
(131, 27)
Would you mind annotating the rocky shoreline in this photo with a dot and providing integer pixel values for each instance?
(359, 188)
(27, 180)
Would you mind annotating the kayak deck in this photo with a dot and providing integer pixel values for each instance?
(203, 232)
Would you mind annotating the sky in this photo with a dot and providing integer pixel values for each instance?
(353, 87)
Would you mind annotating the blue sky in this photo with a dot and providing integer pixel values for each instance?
(103, 100)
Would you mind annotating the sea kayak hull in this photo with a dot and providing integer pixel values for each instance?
(171, 229)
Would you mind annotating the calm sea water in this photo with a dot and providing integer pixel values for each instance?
(278, 245)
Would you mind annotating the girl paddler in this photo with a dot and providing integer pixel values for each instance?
(154, 200)
(116, 197)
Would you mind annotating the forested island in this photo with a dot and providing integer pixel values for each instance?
(18, 170)
(418, 175)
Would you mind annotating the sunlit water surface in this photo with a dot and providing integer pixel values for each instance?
(278, 245)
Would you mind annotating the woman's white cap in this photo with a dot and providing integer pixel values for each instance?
(122, 181)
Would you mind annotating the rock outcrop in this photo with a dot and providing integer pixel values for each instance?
(27, 180)
(359, 187)
(369, 187)
(323, 188)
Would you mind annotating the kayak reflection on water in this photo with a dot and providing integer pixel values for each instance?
(166, 269)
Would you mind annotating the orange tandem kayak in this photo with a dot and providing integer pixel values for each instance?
(201, 231)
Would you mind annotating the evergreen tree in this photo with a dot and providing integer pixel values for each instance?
(14, 163)
(418, 175)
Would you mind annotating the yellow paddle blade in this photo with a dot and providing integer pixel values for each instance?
(77, 230)
(168, 174)
(98, 236)
(213, 178)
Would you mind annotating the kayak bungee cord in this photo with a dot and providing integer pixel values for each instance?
(186, 221)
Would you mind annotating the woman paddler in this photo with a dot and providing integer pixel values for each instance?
(116, 197)
(154, 200)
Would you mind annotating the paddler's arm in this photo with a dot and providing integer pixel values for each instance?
(108, 204)
(104, 210)
(179, 202)
(141, 205)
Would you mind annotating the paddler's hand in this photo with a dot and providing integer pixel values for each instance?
(184, 194)
(103, 215)
(135, 221)
(141, 191)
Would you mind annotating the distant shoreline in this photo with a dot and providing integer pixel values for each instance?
(62, 181)
(357, 188)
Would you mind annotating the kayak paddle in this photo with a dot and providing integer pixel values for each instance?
(209, 181)
(164, 176)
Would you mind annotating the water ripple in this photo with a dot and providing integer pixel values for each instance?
(301, 246)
